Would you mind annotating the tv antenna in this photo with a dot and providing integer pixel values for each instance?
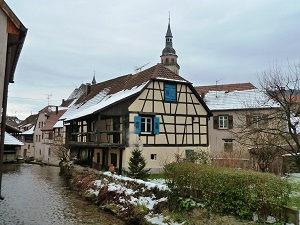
(217, 81)
(48, 98)
(138, 69)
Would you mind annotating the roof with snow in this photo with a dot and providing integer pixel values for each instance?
(11, 140)
(225, 87)
(30, 131)
(59, 124)
(102, 95)
(244, 99)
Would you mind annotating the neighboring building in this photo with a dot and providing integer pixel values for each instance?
(44, 133)
(156, 109)
(51, 140)
(39, 152)
(27, 128)
(12, 36)
(13, 121)
(233, 105)
(27, 150)
(12, 146)
(28, 123)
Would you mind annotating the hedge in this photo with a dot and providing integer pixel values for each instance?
(226, 190)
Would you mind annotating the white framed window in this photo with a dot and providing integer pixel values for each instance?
(146, 125)
(153, 156)
(223, 122)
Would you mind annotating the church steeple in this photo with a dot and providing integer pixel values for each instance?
(94, 79)
(169, 57)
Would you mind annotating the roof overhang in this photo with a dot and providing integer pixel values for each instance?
(16, 37)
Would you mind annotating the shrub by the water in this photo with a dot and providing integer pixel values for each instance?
(226, 190)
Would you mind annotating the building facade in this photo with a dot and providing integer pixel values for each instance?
(47, 135)
(235, 107)
(156, 110)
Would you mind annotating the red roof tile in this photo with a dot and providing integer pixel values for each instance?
(225, 87)
(52, 119)
(127, 82)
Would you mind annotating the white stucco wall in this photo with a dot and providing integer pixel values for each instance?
(39, 147)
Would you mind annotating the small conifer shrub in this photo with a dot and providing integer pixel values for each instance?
(137, 164)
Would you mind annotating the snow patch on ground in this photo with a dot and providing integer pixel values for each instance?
(149, 202)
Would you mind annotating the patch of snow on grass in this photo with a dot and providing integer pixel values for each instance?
(150, 185)
(159, 220)
(294, 177)
(92, 191)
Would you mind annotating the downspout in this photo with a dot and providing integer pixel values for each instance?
(4, 109)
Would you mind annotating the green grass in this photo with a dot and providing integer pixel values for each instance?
(157, 176)
(295, 196)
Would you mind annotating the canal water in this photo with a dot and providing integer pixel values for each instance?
(36, 195)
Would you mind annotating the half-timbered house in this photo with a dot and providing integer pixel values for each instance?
(155, 109)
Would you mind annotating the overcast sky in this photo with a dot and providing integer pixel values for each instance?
(223, 41)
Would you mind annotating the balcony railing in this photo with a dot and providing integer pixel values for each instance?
(107, 137)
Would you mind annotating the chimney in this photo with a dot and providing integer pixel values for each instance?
(56, 110)
(87, 88)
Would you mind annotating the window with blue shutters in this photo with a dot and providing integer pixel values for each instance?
(170, 93)
(146, 125)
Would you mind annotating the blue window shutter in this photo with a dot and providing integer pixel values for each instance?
(137, 124)
(156, 125)
(173, 93)
(170, 92)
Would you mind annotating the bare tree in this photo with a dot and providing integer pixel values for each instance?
(62, 151)
(283, 87)
(276, 131)
(253, 132)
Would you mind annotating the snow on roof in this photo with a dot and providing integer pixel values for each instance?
(77, 108)
(30, 131)
(100, 101)
(168, 79)
(11, 140)
(59, 124)
(223, 100)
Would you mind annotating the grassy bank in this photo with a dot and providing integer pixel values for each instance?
(137, 201)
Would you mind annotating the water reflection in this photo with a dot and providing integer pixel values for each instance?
(37, 195)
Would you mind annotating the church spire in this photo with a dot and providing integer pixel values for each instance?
(94, 79)
(169, 57)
